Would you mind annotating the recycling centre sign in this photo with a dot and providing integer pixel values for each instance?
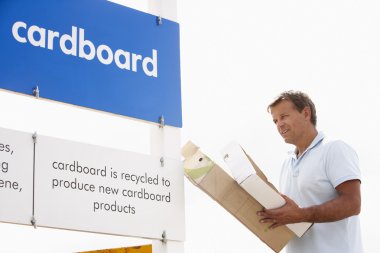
(92, 53)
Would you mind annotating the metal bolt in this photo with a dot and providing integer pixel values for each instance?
(159, 20)
(162, 121)
(36, 92)
(34, 136)
(34, 222)
(164, 240)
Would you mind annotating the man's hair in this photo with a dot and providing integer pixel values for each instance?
(300, 100)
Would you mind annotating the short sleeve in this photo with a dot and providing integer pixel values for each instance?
(342, 163)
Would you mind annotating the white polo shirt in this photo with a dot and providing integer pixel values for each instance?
(311, 180)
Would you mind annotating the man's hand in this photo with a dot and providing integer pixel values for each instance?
(346, 204)
(288, 213)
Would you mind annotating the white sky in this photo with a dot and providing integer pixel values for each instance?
(235, 58)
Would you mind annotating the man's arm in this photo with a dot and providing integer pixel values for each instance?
(345, 205)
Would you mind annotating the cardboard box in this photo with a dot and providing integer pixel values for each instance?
(241, 200)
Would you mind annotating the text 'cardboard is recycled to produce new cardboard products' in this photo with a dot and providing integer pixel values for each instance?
(242, 195)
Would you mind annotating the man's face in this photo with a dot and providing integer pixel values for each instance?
(291, 124)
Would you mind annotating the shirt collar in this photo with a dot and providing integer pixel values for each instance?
(320, 136)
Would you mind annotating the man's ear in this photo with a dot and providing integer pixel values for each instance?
(307, 113)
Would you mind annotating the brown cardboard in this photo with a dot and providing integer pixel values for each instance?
(254, 182)
(215, 182)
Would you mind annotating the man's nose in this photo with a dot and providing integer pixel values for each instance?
(280, 124)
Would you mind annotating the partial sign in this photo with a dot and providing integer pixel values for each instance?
(91, 188)
(16, 176)
(92, 53)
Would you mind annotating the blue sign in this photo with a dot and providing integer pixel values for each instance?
(92, 53)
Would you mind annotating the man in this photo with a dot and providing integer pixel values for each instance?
(320, 180)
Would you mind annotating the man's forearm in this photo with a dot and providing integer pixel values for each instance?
(346, 204)
(334, 210)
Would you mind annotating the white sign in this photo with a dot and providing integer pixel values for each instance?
(16, 176)
(91, 188)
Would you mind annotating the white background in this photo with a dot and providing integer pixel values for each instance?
(235, 58)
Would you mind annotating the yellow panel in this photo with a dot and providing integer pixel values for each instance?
(134, 249)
